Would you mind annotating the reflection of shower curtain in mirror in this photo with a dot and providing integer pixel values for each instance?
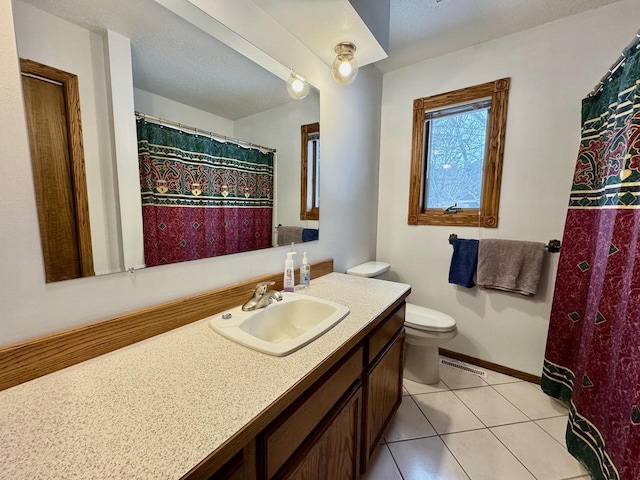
(200, 197)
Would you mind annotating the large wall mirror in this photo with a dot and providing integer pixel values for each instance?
(185, 145)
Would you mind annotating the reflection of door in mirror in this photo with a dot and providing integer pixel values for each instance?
(310, 172)
(52, 107)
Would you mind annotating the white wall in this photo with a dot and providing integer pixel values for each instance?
(279, 128)
(551, 68)
(152, 104)
(350, 119)
(52, 41)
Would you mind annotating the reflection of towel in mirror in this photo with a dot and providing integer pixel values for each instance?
(510, 265)
(309, 234)
(287, 235)
(463, 262)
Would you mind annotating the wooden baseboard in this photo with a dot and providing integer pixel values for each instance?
(34, 358)
(491, 366)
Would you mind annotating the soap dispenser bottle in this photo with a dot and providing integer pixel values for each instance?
(289, 280)
(305, 272)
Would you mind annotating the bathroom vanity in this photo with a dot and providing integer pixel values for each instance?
(191, 404)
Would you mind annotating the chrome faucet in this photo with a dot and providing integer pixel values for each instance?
(261, 297)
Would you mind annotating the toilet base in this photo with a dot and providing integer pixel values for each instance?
(422, 364)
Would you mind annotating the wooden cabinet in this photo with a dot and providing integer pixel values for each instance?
(286, 439)
(334, 451)
(333, 427)
(384, 393)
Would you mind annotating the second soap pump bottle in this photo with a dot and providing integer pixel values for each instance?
(289, 278)
(305, 272)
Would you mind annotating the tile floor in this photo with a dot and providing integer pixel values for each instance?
(470, 428)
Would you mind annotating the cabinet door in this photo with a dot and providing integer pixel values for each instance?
(334, 452)
(384, 393)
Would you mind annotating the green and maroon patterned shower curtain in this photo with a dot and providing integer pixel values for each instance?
(592, 361)
(200, 197)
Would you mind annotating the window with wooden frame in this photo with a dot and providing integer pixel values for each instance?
(456, 157)
(310, 172)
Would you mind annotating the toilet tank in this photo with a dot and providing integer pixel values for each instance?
(369, 269)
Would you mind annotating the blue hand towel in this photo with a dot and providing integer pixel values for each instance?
(463, 262)
(309, 234)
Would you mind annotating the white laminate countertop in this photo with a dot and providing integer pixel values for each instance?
(155, 409)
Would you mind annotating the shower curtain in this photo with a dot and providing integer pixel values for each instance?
(200, 197)
(592, 361)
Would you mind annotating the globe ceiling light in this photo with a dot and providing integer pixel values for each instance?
(297, 86)
(345, 66)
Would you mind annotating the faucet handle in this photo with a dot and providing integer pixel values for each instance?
(261, 288)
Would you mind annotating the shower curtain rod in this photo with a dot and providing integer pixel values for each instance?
(616, 65)
(181, 126)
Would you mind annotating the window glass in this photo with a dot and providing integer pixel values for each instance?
(456, 146)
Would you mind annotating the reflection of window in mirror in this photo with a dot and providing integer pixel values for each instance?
(52, 107)
(310, 172)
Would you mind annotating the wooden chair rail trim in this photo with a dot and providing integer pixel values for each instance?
(31, 359)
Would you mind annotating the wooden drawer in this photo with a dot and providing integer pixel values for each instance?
(282, 439)
(385, 332)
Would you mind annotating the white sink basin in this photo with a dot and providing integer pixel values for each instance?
(282, 327)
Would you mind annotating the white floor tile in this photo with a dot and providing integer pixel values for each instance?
(447, 413)
(556, 427)
(490, 407)
(496, 378)
(483, 457)
(405, 391)
(538, 451)
(531, 400)
(408, 423)
(415, 388)
(426, 459)
(381, 466)
(456, 379)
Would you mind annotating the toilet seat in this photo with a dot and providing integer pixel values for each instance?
(427, 319)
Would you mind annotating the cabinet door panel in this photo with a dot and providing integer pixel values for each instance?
(334, 453)
(384, 392)
(286, 435)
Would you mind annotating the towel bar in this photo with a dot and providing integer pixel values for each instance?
(552, 247)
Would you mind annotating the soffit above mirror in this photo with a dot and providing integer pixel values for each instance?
(322, 25)
(175, 59)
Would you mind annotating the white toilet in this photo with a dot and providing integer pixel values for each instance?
(426, 330)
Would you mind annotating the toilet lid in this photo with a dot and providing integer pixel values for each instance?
(369, 269)
(423, 318)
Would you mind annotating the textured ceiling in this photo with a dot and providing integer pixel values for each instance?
(174, 59)
(422, 29)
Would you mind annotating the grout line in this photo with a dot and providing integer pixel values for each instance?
(564, 444)
(513, 454)
(467, 407)
(423, 414)
(395, 462)
(436, 435)
(518, 408)
(454, 457)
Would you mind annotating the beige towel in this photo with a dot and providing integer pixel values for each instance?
(286, 235)
(510, 265)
